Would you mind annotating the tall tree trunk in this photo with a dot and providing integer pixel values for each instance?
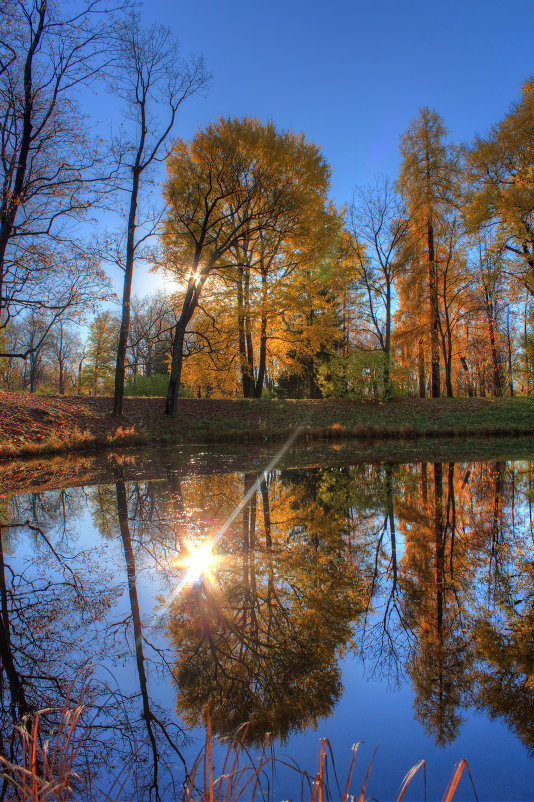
(192, 294)
(510, 364)
(18, 705)
(446, 341)
(10, 209)
(120, 367)
(421, 367)
(33, 372)
(495, 361)
(266, 512)
(242, 344)
(525, 336)
(61, 382)
(176, 368)
(439, 541)
(448, 378)
(434, 313)
(262, 361)
(122, 509)
(248, 335)
(387, 344)
(391, 519)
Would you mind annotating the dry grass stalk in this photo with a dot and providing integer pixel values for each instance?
(231, 785)
(45, 772)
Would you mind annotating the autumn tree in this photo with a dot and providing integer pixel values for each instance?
(273, 263)
(100, 353)
(501, 184)
(241, 195)
(312, 339)
(427, 185)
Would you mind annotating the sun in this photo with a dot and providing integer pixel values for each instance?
(198, 563)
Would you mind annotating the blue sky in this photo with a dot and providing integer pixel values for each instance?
(351, 75)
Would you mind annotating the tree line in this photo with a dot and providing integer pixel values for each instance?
(421, 285)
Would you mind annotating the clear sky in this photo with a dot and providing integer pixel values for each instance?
(349, 74)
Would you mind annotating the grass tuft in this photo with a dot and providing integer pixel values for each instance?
(45, 772)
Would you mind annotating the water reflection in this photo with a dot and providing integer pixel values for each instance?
(261, 639)
(424, 571)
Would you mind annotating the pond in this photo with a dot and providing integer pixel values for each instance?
(355, 595)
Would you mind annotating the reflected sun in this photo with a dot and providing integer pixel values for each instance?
(198, 562)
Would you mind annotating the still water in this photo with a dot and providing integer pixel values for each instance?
(389, 602)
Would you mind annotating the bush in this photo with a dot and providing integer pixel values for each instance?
(359, 376)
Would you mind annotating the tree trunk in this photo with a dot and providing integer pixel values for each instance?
(176, 368)
(245, 379)
(391, 519)
(120, 368)
(9, 210)
(194, 289)
(33, 372)
(440, 542)
(510, 365)
(497, 379)
(434, 313)
(266, 512)
(248, 335)
(387, 345)
(262, 362)
(448, 379)
(421, 367)
(525, 336)
(147, 715)
(446, 339)
(61, 382)
(463, 363)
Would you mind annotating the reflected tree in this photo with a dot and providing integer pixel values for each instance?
(260, 640)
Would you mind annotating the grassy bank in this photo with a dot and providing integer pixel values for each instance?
(33, 425)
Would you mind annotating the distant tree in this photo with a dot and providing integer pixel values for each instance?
(150, 338)
(378, 223)
(64, 346)
(36, 328)
(100, 352)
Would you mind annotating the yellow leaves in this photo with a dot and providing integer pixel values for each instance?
(501, 173)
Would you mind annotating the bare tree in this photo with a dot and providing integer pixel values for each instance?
(50, 169)
(153, 83)
(65, 347)
(150, 338)
(376, 221)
